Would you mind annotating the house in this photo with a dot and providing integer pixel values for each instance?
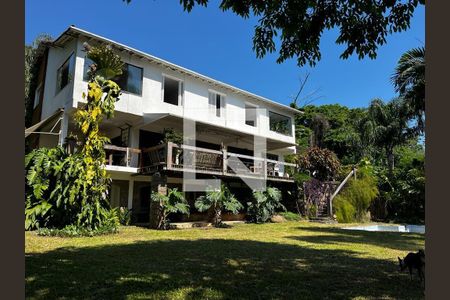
(159, 96)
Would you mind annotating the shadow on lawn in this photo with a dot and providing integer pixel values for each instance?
(216, 268)
(407, 242)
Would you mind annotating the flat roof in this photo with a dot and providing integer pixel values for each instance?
(73, 31)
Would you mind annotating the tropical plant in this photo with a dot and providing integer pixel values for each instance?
(219, 200)
(353, 202)
(173, 202)
(409, 82)
(322, 164)
(388, 124)
(264, 205)
(72, 189)
(363, 25)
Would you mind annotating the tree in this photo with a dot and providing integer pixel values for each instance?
(264, 204)
(219, 200)
(322, 164)
(31, 70)
(72, 189)
(409, 82)
(389, 127)
(173, 202)
(363, 25)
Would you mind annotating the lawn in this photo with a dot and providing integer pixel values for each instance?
(292, 260)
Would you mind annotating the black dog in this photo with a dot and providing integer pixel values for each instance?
(413, 261)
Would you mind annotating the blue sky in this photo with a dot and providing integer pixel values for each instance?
(219, 45)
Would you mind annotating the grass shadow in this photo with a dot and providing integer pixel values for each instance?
(211, 269)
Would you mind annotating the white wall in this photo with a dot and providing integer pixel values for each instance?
(195, 104)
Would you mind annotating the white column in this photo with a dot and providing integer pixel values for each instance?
(130, 193)
(63, 129)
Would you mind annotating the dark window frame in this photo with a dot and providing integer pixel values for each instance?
(59, 86)
(288, 131)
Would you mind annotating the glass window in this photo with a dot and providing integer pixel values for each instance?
(216, 103)
(37, 95)
(64, 75)
(250, 115)
(87, 63)
(172, 91)
(130, 80)
(280, 123)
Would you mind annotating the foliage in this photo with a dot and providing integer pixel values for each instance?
(354, 200)
(409, 82)
(74, 231)
(31, 73)
(363, 25)
(170, 135)
(322, 164)
(173, 202)
(124, 215)
(264, 205)
(290, 216)
(218, 200)
(72, 189)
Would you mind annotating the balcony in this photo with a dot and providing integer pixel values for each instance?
(186, 158)
(122, 159)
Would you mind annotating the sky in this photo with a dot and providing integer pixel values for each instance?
(219, 45)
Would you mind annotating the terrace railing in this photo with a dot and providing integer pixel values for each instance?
(122, 156)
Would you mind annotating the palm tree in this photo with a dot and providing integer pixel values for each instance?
(173, 202)
(219, 200)
(409, 82)
(388, 126)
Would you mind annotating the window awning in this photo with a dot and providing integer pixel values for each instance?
(52, 120)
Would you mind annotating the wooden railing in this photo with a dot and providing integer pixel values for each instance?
(202, 160)
(122, 156)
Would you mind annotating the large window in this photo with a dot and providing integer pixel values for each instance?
(172, 90)
(130, 80)
(279, 123)
(216, 103)
(37, 95)
(64, 75)
(250, 115)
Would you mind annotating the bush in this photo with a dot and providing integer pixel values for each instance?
(264, 204)
(173, 202)
(290, 216)
(355, 199)
(124, 216)
(322, 164)
(74, 231)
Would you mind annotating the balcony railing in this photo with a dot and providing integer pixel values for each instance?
(122, 156)
(201, 160)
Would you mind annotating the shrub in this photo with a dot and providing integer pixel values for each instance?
(322, 164)
(218, 200)
(355, 199)
(290, 216)
(173, 202)
(124, 216)
(76, 231)
(264, 204)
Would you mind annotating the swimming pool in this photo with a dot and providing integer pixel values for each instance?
(390, 228)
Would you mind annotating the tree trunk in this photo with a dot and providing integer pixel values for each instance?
(390, 158)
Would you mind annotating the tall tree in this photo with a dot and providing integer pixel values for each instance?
(409, 82)
(388, 123)
(363, 25)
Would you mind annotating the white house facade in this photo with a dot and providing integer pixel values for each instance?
(157, 96)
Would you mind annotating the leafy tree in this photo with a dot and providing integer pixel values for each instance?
(264, 204)
(72, 189)
(388, 125)
(363, 25)
(322, 164)
(173, 202)
(409, 82)
(31, 72)
(218, 200)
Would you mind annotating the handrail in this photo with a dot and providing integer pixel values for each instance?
(123, 149)
(338, 189)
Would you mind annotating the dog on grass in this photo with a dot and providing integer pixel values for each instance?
(413, 260)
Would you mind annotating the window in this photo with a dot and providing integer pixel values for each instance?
(216, 103)
(64, 74)
(250, 115)
(87, 63)
(131, 79)
(172, 91)
(37, 95)
(280, 123)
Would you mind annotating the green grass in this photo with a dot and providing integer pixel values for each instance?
(293, 260)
